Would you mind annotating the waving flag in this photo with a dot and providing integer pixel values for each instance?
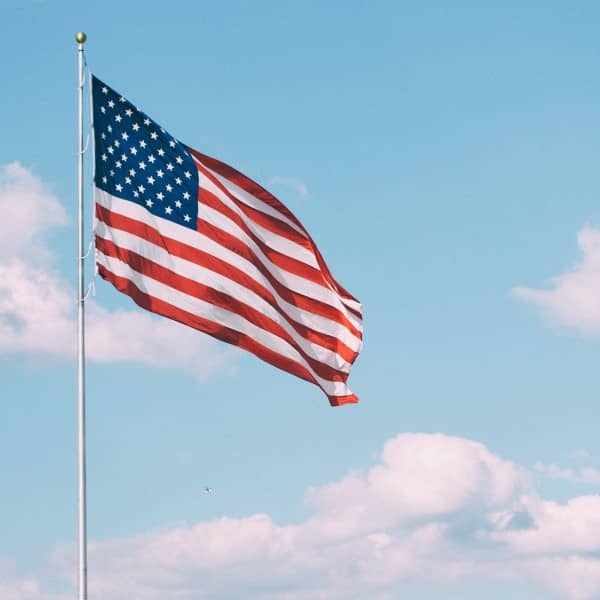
(192, 239)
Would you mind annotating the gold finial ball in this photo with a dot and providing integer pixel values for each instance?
(80, 37)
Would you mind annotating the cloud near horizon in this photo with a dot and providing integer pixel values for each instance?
(37, 306)
(435, 509)
(573, 299)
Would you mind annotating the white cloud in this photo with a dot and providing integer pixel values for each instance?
(434, 510)
(37, 307)
(125, 335)
(446, 475)
(572, 577)
(589, 475)
(291, 182)
(568, 529)
(29, 211)
(16, 586)
(574, 298)
(579, 453)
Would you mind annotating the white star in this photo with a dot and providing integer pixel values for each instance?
(128, 112)
(146, 121)
(160, 195)
(118, 164)
(133, 150)
(142, 165)
(103, 110)
(132, 172)
(110, 150)
(154, 135)
(169, 187)
(188, 174)
(168, 210)
(124, 157)
(186, 218)
(151, 158)
(150, 180)
(142, 144)
(125, 136)
(128, 180)
(111, 173)
(178, 181)
(141, 188)
(178, 204)
(135, 127)
(179, 160)
(170, 167)
(104, 157)
(136, 195)
(161, 152)
(111, 103)
(149, 202)
(118, 118)
(118, 187)
(117, 143)
(105, 179)
(186, 195)
(160, 173)
(105, 90)
(172, 144)
(121, 99)
(103, 135)
(109, 129)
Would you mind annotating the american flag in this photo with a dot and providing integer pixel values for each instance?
(192, 239)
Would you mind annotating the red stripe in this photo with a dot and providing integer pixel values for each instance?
(283, 261)
(176, 248)
(231, 272)
(261, 193)
(246, 184)
(215, 297)
(340, 400)
(267, 221)
(271, 223)
(313, 305)
(216, 330)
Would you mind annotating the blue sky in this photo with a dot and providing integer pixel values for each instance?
(444, 158)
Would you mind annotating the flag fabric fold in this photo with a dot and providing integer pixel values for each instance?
(192, 239)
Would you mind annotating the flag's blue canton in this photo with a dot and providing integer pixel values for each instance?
(137, 160)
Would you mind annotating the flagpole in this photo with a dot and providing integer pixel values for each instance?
(81, 487)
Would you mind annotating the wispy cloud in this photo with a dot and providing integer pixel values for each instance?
(291, 182)
(37, 307)
(427, 512)
(589, 475)
(579, 453)
(574, 297)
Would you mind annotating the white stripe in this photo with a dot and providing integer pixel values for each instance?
(191, 237)
(304, 317)
(260, 205)
(200, 242)
(217, 315)
(250, 200)
(221, 283)
(354, 304)
(272, 240)
(294, 282)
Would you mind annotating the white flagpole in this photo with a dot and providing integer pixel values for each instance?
(81, 496)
